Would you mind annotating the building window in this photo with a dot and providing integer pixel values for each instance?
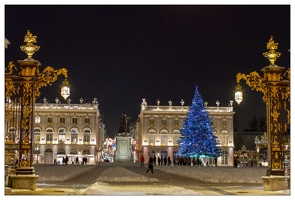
(49, 135)
(224, 158)
(175, 139)
(37, 120)
(74, 135)
(86, 136)
(62, 120)
(151, 140)
(224, 123)
(61, 135)
(164, 137)
(37, 135)
(152, 122)
(49, 120)
(224, 136)
(87, 120)
(176, 123)
(74, 121)
(175, 135)
(164, 122)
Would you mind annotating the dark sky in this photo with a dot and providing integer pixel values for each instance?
(123, 53)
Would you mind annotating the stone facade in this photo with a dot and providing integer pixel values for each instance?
(64, 129)
(158, 130)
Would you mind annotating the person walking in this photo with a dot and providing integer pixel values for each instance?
(151, 166)
(159, 160)
(141, 161)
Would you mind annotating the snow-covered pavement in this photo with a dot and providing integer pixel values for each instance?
(120, 174)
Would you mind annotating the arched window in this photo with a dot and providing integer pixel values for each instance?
(86, 152)
(61, 151)
(86, 135)
(164, 137)
(223, 137)
(73, 151)
(37, 135)
(151, 140)
(175, 136)
(74, 135)
(61, 135)
(49, 135)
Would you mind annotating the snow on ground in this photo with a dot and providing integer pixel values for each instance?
(218, 174)
(120, 174)
(60, 172)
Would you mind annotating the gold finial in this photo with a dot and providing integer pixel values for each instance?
(272, 54)
(30, 48)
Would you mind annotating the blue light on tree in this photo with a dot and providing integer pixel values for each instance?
(197, 138)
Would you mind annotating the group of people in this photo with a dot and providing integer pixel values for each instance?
(65, 160)
(178, 160)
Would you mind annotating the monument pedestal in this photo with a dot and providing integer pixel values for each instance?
(23, 181)
(123, 149)
(23, 178)
(275, 183)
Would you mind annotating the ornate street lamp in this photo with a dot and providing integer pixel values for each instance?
(275, 86)
(25, 85)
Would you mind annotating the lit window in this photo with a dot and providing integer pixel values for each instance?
(37, 120)
(86, 136)
(74, 135)
(36, 135)
(49, 135)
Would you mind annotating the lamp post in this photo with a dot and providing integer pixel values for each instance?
(275, 86)
(25, 85)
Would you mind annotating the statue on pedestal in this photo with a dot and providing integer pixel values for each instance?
(123, 124)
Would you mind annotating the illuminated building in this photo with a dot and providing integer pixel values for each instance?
(158, 130)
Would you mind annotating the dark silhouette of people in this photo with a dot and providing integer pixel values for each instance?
(235, 162)
(66, 160)
(154, 160)
(151, 166)
(77, 160)
(159, 160)
(165, 161)
(169, 161)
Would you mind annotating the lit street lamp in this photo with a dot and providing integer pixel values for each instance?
(23, 85)
(275, 86)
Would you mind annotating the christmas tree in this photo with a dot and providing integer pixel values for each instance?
(197, 138)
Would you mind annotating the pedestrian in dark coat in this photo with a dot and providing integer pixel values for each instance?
(165, 161)
(151, 166)
(159, 160)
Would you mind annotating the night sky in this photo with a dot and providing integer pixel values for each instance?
(120, 54)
